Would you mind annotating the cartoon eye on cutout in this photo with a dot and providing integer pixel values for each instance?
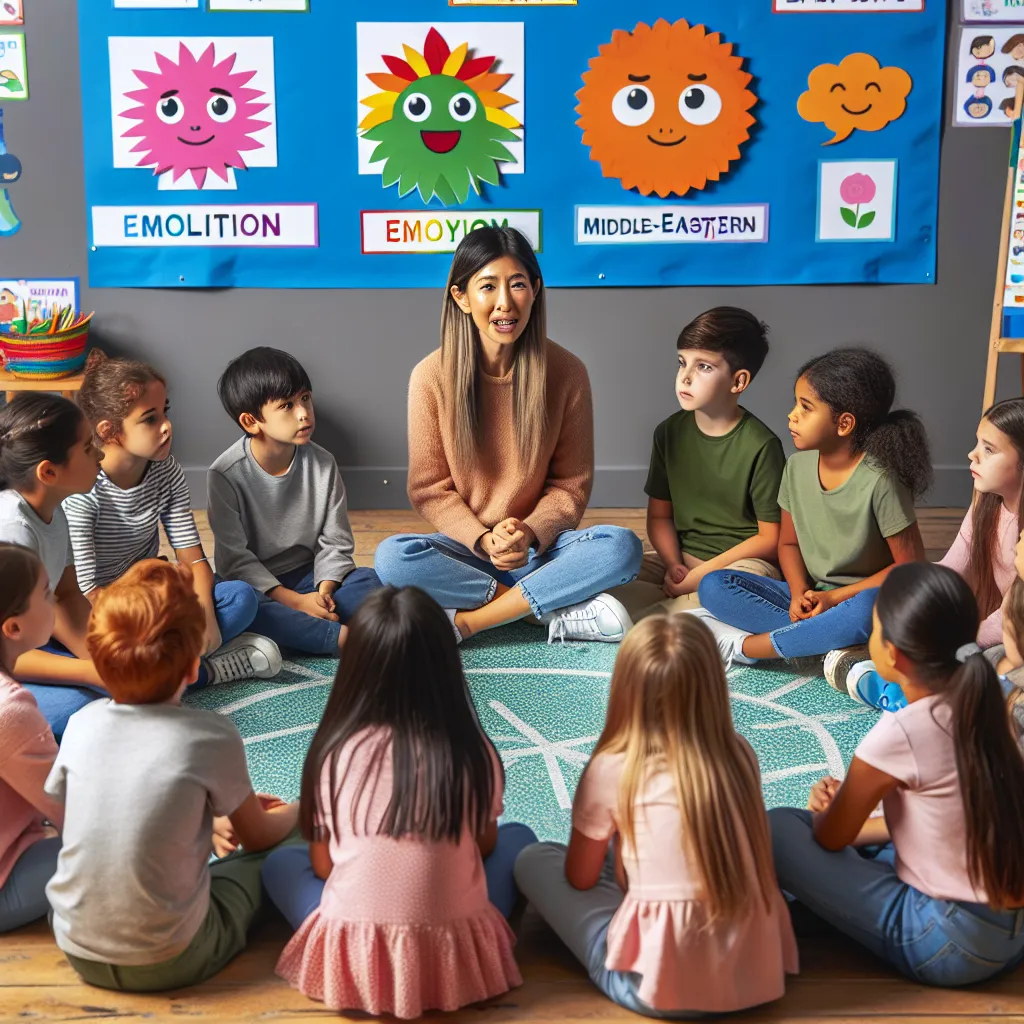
(417, 107)
(170, 110)
(700, 104)
(221, 108)
(462, 106)
(633, 105)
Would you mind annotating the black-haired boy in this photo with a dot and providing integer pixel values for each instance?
(278, 508)
(715, 471)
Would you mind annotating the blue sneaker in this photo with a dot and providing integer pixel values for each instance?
(865, 685)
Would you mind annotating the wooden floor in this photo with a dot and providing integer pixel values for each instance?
(839, 983)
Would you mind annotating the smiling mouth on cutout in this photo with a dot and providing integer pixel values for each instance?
(440, 142)
(856, 113)
(658, 142)
(190, 143)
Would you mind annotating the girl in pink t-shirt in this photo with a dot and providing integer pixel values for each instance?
(28, 849)
(401, 898)
(667, 893)
(942, 902)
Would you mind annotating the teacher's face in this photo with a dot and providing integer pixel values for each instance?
(500, 299)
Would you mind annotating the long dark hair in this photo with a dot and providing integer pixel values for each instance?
(19, 573)
(1008, 418)
(35, 427)
(401, 672)
(928, 612)
(861, 382)
(459, 344)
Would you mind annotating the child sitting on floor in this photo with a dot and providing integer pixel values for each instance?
(28, 850)
(713, 484)
(47, 454)
(941, 903)
(983, 552)
(847, 500)
(136, 906)
(666, 893)
(278, 508)
(400, 900)
(139, 486)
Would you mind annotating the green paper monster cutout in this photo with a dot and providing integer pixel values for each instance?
(439, 123)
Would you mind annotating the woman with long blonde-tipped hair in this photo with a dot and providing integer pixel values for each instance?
(667, 891)
(501, 462)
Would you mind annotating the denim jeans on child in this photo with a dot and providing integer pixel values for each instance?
(578, 565)
(235, 604)
(580, 918)
(306, 633)
(938, 942)
(760, 605)
(23, 895)
(296, 891)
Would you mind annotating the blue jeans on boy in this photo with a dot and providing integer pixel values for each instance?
(296, 891)
(580, 918)
(306, 633)
(578, 565)
(937, 942)
(23, 895)
(757, 604)
(235, 604)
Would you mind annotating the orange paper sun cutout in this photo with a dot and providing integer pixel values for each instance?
(665, 109)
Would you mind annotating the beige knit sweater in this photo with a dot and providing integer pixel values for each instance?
(464, 502)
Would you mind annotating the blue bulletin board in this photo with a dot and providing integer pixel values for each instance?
(352, 145)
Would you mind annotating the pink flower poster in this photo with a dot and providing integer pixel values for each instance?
(857, 201)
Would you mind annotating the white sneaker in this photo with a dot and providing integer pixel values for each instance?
(728, 638)
(602, 618)
(248, 656)
(451, 613)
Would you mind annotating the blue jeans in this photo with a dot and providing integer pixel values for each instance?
(578, 565)
(306, 633)
(938, 942)
(235, 604)
(289, 880)
(23, 895)
(761, 605)
(580, 918)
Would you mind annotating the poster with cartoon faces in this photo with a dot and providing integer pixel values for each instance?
(990, 64)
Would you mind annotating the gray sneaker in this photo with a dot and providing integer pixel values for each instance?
(248, 656)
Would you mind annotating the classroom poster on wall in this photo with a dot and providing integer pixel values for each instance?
(38, 297)
(992, 10)
(12, 12)
(13, 66)
(352, 145)
(989, 66)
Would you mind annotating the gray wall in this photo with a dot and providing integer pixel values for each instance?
(936, 336)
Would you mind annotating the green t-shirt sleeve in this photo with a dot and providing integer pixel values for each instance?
(766, 481)
(893, 506)
(657, 476)
(784, 488)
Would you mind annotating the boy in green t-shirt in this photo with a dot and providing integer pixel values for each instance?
(713, 484)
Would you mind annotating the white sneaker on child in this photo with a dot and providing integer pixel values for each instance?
(728, 638)
(248, 656)
(602, 618)
(451, 613)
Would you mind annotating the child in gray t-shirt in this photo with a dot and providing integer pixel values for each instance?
(146, 783)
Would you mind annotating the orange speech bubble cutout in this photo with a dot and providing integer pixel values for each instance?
(856, 93)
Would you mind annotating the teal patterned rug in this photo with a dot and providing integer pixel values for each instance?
(543, 705)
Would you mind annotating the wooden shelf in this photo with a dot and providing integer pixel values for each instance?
(66, 386)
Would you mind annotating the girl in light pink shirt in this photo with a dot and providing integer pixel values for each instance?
(28, 848)
(942, 902)
(666, 893)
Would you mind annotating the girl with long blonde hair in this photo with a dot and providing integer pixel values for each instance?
(667, 891)
(501, 462)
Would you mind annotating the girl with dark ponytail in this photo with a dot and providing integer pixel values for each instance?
(847, 499)
(942, 901)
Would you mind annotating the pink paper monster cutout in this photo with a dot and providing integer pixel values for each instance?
(195, 116)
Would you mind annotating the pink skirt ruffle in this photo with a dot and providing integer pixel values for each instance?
(401, 969)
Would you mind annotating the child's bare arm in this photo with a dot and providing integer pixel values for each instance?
(320, 858)
(661, 532)
(71, 614)
(258, 828)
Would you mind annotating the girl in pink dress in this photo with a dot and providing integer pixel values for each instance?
(667, 892)
(400, 900)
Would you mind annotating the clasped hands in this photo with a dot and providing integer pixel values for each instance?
(811, 603)
(508, 544)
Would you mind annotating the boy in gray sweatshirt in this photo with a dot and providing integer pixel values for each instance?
(278, 508)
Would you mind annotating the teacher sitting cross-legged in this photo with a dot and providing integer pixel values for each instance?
(501, 462)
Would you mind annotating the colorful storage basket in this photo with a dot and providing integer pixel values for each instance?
(44, 356)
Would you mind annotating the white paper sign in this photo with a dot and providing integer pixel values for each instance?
(856, 200)
(847, 6)
(260, 5)
(259, 225)
(156, 5)
(12, 12)
(642, 225)
(990, 62)
(40, 296)
(387, 231)
(993, 10)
